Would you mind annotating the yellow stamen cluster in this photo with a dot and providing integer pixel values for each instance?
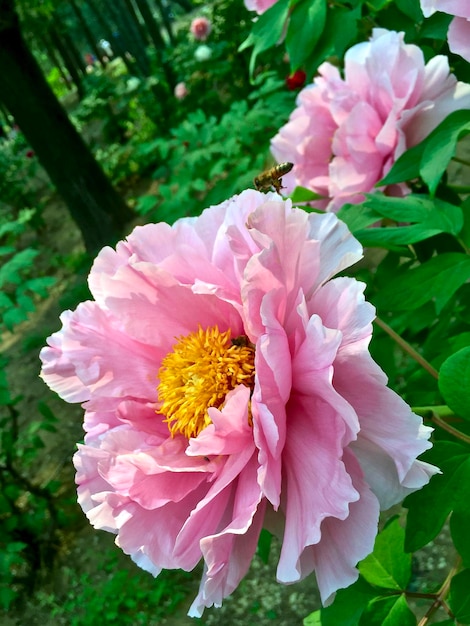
(198, 373)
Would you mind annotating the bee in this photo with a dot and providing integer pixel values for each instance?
(272, 177)
(242, 342)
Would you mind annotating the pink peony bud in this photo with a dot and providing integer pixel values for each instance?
(200, 28)
(181, 91)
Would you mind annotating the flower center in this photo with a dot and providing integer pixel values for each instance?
(198, 373)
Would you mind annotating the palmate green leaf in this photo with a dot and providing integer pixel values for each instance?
(429, 507)
(411, 9)
(459, 596)
(428, 217)
(266, 31)
(465, 232)
(459, 527)
(347, 608)
(436, 280)
(430, 158)
(339, 31)
(306, 25)
(388, 566)
(13, 317)
(454, 382)
(388, 611)
(358, 216)
(301, 194)
(10, 271)
(39, 285)
(264, 545)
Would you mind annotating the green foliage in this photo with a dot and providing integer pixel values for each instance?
(424, 218)
(20, 174)
(114, 593)
(29, 519)
(430, 158)
(429, 508)
(388, 566)
(313, 31)
(378, 597)
(459, 600)
(20, 287)
(207, 160)
(454, 382)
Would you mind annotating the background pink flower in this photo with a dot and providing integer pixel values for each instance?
(459, 30)
(227, 384)
(346, 133)
(260, 6)
(200, 28)
(181, 91)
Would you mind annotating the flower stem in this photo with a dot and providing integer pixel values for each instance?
(440, 596)
(404, 345)
(437, 414)
(460, 160)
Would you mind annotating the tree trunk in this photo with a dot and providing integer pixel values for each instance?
(54, 59)
(154, 30)
(107, 33)
(98, 210)
(166, 20)
(91, 40)
(128, 31)
(67, 58)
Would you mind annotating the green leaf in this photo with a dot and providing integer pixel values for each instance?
(13, 317)
(411, 9)
(459, 597)
(459, 525)
(39, 285)
(301, 194)
(429, 507)
(314, 619)
(388, 566)
(264, 545)
(441, 146)
(436, 26)
(436, 280)
(266, 31)
(430, 157)
(348, 605)
(454, 382)
(10, 271)
(429, 217)
(340, 29)
(388, 611)
(465, 232)
(306, 25)
(358, 216)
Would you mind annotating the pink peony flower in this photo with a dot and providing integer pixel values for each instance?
(181, 91)
(227, 385)
(260, 6)
(458, 34)
(345, 134)
(200, 28)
